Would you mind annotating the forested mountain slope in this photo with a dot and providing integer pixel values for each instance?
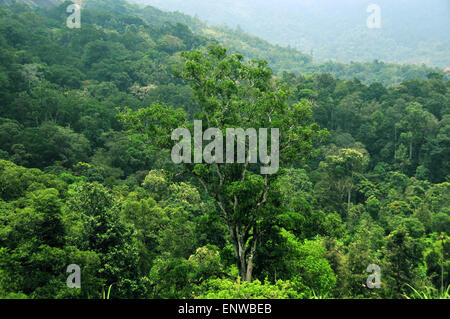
(281, 58)
(86, 177)
(411, 31)
(290, 58)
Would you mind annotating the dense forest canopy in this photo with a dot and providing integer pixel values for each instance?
(86, 176)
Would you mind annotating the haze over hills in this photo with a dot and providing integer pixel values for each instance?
(283, 58)
(280, 58)
(411, 31)
(33, 3)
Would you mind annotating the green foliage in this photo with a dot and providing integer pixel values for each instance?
(86, 177)
(229, 289)
(306, 263)
(428, 293)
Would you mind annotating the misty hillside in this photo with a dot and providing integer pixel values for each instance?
(33, 3)
(281, 58)
(411, 31)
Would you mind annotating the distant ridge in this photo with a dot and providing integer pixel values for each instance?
(33, 3)
(281, 59)
(40, 3)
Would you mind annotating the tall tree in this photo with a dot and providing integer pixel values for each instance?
(342, 169)
(234, 94)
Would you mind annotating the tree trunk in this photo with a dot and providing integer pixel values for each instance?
(245, 265)
(239, 251)
(249, 269)
(250, 261)
(243, 262)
